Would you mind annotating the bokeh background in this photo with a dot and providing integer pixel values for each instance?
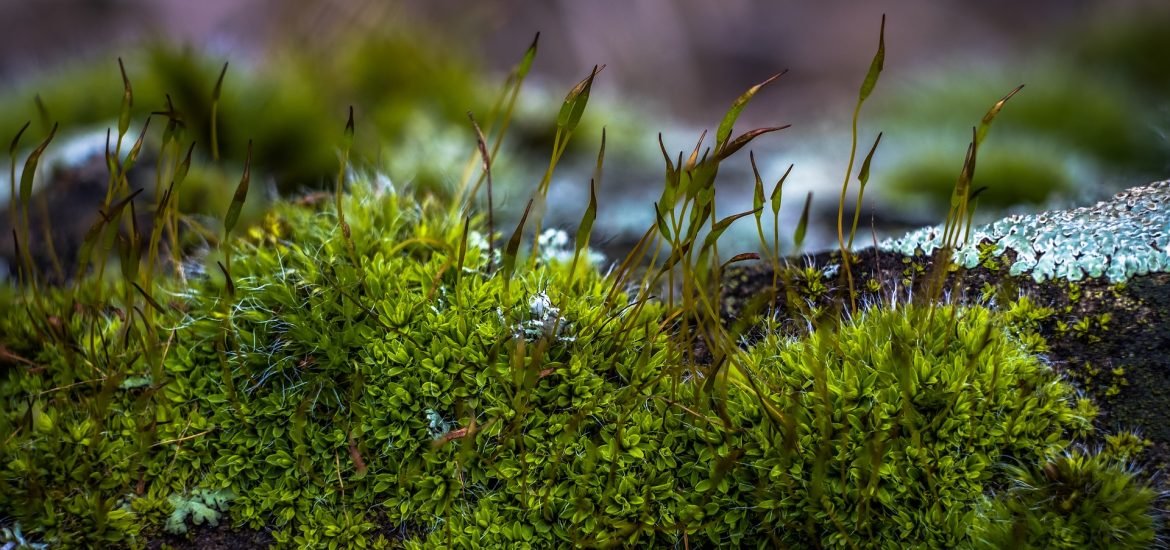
(1092, 119)
(691, 55)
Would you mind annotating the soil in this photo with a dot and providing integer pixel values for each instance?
(205, 537)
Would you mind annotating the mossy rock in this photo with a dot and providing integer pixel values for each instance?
(1085, 288)
(471, 409)
(382, 367)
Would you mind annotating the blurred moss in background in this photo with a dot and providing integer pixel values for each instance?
(1067, 137)
(292, 106)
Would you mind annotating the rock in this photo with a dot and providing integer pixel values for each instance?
(64, 209)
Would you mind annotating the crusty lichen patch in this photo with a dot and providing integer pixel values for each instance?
(1125, 236)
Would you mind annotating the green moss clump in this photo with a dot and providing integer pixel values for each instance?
(386, 361)
(1024, 318)
(327, 359)
(880, 410)
(424, 388)
(1077, 500)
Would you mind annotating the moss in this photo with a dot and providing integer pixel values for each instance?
(439, 399)
(319, 367)
(1076, 500)
(902, 395)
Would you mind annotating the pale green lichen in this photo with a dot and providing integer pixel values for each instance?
(201, 505)
(438, 427)
(1125, 236)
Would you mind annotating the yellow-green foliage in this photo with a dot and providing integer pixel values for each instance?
(412, 385)
(880, 409)
(393, 356)
(1076, 500)
(1024, 318)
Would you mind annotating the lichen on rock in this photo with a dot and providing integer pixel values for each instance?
(1125, 236)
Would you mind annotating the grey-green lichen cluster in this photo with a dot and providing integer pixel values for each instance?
(1119, 238)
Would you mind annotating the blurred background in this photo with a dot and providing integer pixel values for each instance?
(1092, 119)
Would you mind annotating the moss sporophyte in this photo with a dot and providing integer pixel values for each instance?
(385, 369)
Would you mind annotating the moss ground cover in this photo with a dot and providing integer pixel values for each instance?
(384, 367)
(448, 408)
